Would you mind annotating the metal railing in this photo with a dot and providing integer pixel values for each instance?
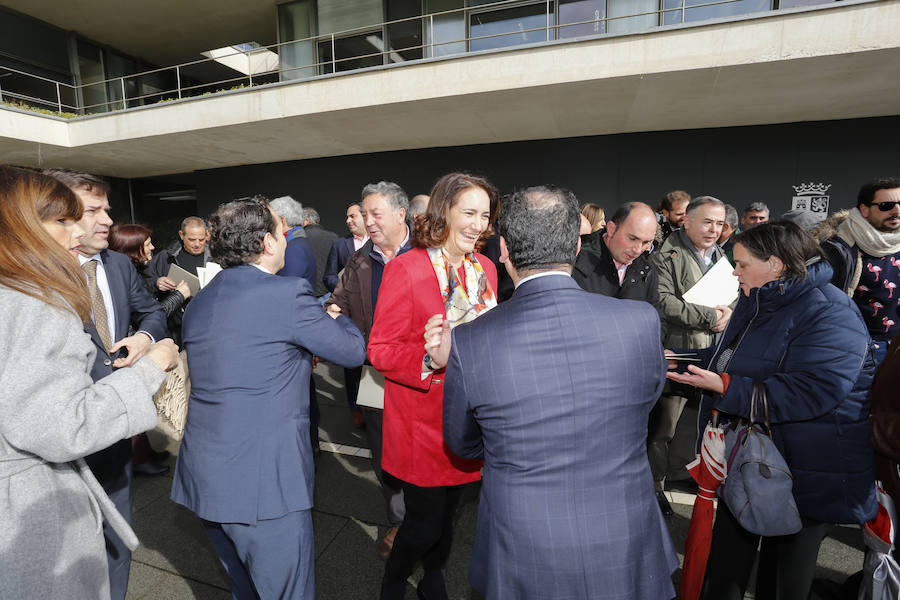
(184, 85)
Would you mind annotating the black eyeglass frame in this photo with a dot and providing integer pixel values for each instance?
(884, 206)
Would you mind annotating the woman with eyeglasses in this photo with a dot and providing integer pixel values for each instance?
(51, 413)
(438, 285)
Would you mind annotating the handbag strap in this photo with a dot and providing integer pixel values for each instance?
(759, 396)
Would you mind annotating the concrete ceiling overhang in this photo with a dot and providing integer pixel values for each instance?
(800, 67)
(187, 29)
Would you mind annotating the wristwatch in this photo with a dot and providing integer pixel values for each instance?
(429, 364)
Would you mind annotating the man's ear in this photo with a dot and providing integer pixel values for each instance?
(181, 234)
(578, 246)
(268, 244)
(504, 252)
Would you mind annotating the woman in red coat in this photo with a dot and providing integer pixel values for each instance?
(441, 282)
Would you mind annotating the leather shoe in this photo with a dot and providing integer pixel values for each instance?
(664, 505)
(387, 543)
(149, 469)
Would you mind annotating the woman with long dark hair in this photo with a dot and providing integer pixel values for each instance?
(51, 413)
(442, 279)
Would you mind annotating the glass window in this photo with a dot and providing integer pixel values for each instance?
(405, 37)
(119, 66)
(796, 3)
(352, 52)
(688, 14)
(504, 27)
(445, 34)
(579, 11)
(296, 21)
(90, 69)
(341, 15)
(623, 8)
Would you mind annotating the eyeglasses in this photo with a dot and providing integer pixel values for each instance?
(884, 206)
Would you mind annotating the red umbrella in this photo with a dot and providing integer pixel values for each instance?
(708, 470)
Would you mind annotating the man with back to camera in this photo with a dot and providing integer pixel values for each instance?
(320, 242)
(564, 512)
(299, 260)
(683, 259)
(118, 299)
(384, 210)
(246, 464)
(864, 251)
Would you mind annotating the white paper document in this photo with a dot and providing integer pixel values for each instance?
(205, 274)
(371, 388)
(718, 287)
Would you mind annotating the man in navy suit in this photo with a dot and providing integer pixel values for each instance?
(118, 301)
(246, 465)
(553, 388)
(344, 247)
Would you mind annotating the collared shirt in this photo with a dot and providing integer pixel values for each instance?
(541, 274)
(704, 259)
(261, 268)
(103, 286)
(359, 241)
(384, 259)
(620, 267)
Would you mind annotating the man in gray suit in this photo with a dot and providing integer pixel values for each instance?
(556, 401)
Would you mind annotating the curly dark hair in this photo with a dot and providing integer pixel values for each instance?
(430, 229)
(238, 230)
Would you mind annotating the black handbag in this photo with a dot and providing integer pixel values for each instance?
(758, 487)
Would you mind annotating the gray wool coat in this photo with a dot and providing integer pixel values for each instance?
(51, 415)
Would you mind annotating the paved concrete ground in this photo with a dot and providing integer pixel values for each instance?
(176, 561)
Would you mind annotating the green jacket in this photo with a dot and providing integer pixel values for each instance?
(687, 325)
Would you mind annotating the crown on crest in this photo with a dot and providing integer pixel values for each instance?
(809, 189)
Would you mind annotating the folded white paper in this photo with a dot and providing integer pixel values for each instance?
(718, 287)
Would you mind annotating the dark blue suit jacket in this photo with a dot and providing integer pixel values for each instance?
(340, 253)
(250, 337)
(132, 305)
(299, 261)
(553, 388)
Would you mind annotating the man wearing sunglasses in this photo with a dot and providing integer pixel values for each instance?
(865, 254)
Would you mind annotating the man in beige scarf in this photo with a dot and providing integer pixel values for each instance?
(865, 254)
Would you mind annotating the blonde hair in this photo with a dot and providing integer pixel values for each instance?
(31, 262)
(595, 215)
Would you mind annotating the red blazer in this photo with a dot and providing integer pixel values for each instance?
(414, 448)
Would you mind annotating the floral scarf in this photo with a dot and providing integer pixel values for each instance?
(462, 305)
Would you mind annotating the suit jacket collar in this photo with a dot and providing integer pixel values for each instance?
(544, 284)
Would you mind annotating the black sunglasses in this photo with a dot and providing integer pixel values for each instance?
(884, 206)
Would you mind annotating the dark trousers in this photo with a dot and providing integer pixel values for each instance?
(390, 485)
(351, 385)
(786, 568)
(660, 432)
(272, 559)
(426, 534)
(118, 555)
